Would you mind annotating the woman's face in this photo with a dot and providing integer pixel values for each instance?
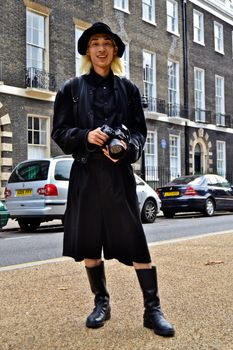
(101, 50)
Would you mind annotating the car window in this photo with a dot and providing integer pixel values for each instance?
(30, 171)
(62, 170)
(223, 182)
(186, 180)
(138, 181)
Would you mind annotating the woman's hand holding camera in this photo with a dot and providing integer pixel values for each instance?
(97, 137)
(106, 151)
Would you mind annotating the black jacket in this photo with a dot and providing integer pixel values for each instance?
(70, 131)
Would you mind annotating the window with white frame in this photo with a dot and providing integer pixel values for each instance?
(122, 5)
(172, 16)
(232, 44)
(148, 10)
(37, 50)
(151, 158)
(199, 94)
(125, 59)
(221, 158)
(219, 100)
(175, 158)
(173, 89)
(78, 33)
(198, 27)
(218, 37)
(149, 72)
(38, 137)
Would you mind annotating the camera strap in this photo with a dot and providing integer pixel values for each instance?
(75, 93)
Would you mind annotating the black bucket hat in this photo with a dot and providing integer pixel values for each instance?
(99, 28)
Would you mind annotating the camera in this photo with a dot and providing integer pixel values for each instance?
(116, 135)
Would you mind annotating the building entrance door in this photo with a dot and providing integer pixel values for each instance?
(197, 159)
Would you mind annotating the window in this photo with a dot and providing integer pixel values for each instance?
(218, 38)
(174, 148)
(173, 89)
(78, 33)
(231, 44)
(38, 140)
(221, 158)
(125, 59)
(149, 79)
(62, 170)
(172, 16)
(121, 5)
(30, 171)
(148, 10)
(37, 51)
(219, 100)
(198, 27)
(199, 94)
(151, 159)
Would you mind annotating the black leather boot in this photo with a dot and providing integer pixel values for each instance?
(153, 316)
(102, 310)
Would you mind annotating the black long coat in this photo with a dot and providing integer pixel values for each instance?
(102, 215)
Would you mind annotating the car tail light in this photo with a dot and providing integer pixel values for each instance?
(48, 190)
(7, 192)
(158, 193)
(190, 191)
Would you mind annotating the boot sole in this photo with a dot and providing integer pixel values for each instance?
(149, 325)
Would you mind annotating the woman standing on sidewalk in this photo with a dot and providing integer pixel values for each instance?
(102, 216)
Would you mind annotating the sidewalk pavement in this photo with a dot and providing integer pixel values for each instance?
(44, 307)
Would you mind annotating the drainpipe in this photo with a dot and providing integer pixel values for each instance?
(185, 82)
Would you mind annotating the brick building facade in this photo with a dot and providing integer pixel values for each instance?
(187, 82)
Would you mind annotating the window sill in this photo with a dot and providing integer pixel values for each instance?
(122, 10)
(220, 52)
(174, 33)
(153, 23)
(199, 42)
(38, 92)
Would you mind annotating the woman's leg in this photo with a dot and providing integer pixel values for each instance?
(153, 316)
(97, 280)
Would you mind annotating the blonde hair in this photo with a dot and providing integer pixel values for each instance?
(117, 65)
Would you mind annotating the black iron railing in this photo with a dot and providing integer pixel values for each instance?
(220, 119)
(155, 104)
(160, 176)
(40, 79)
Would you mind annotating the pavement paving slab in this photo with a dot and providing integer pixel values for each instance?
(44, 307)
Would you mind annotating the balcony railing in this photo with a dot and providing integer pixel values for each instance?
(220, 119)
(156, 105)
(173, 109)
(201, 116)
(40, 79)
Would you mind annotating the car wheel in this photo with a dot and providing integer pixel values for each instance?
(28, 226)
(149, 211)
(168, 214)
(209, 207)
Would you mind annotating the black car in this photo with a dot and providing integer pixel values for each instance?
(196, 193)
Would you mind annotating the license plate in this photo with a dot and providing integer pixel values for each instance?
(24, 192)
(171, 194)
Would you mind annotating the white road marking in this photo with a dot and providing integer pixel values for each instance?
(7, 239)
(63, 259)
(177, 240)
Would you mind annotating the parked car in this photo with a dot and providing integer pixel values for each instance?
(149, 201)
(196, 193)
(36, 192)
(4, 214)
